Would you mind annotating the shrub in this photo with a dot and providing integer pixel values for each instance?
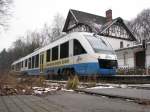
(73, 82)
(131, 71)
(40, 81)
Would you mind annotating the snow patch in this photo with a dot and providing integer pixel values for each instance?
(100, 87)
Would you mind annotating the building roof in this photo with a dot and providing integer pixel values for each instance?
(84, 18)
(98, 24)
(87, 17)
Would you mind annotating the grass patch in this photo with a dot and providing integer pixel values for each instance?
(73, 82)
(11, 84)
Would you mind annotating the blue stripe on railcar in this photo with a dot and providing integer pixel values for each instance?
(32, 71)
(86, 68)
(92, 68)
(81, 69)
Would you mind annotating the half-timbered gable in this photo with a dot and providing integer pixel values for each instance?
(117, 29)
(72, 22)
(82, 21)
(80, 28)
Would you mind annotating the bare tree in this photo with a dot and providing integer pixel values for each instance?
(4, 60)
(54, 31)
(57, 24)
(32, 40)
(46, 34)
(140, 26)
(4, 12)
(19, 48)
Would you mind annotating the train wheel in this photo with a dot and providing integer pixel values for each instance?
(71, 73)
(59, 75)
(64, 74)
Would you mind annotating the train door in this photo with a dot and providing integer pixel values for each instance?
(41, 62)
(78, 52)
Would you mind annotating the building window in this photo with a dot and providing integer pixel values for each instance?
(78, 49)
(48, 53)
(121, 44)
(55, 53)
(37, 61)
(64, 50)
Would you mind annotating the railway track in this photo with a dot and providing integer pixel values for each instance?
(128, 79)
(118, 79)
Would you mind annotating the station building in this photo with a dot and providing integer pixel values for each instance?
(134, 56)
(116, 32)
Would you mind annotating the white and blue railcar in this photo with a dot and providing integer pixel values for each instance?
(79, 52)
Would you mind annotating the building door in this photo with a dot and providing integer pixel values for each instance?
(140, 59)
(41, 62)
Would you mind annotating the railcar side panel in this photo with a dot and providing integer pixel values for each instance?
(85, 57)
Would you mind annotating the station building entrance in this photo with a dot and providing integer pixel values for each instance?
(140, 59)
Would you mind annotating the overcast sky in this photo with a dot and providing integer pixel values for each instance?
(33, 14)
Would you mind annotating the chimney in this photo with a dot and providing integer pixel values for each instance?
(109, 15)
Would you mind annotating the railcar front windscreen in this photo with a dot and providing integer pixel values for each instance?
(99, 45)
(107, 64)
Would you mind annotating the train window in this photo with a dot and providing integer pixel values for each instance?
(48, 53)
(37, 61)
(107, 64)
(26, 63)
(33, 61)
(29, 63)
(22, 64)
(78, 49)
(19, 65)
(55, 53)
(99, 45)
(13, 67)
(64, 50)
(16, 66)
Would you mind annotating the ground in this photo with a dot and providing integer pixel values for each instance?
(37, 95)
(68, 102)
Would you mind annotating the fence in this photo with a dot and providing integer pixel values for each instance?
(133, 71)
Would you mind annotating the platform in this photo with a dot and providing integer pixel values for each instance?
(68, 102)
(125, 93)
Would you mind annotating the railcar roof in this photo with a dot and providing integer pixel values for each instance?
(61, 40)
